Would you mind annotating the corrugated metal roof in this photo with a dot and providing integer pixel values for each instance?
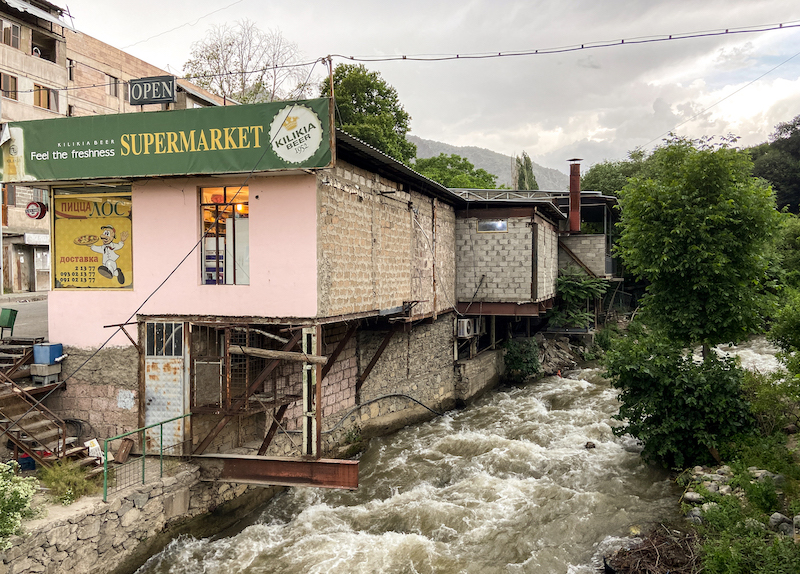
(358, 152)
(23, 6)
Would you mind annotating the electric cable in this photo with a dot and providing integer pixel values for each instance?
(575, 47)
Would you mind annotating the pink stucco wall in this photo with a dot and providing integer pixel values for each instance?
(166, 226)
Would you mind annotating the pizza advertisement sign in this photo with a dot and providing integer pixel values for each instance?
(92, 247)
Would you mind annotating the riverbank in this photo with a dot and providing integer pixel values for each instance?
(118, 536)
(91, 536)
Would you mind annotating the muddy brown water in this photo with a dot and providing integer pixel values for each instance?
(503, 486)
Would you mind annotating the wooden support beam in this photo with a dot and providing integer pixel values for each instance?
(276, 421)
(241, 402)
(284, 355)
(374, 360)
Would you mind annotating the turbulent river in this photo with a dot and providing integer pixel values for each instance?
(506, 485)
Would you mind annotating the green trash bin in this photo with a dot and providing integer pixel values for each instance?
(7, 318)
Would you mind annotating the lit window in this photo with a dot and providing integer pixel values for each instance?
(225, 213)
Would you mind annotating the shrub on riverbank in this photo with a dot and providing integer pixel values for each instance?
(681, 410)
(16, 495)
(67, 482)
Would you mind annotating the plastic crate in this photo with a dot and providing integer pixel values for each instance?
(47, 353)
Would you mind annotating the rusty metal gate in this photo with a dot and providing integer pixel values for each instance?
(166, 385)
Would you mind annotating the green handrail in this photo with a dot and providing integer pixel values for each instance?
(139, 430)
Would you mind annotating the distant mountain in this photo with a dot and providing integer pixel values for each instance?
(493, 162)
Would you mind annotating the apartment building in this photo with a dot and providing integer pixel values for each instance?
(48, 69)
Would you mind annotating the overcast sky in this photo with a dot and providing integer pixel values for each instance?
(593, 104)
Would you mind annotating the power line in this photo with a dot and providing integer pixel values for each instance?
(747, 85)
(575, 47)
(182, 25)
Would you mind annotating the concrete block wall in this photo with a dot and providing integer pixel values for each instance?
(364, 242)
(505, 259)
(591, 249)
(433, 263)
(547, 259)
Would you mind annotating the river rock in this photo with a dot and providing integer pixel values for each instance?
(786, 529)
(692, 497)
(695, 515)
(777, 519)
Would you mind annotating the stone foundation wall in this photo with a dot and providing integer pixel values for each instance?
(477, 375)
(104, 394)
(118, 536)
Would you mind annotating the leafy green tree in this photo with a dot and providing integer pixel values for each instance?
(779, 163)
(370, 110)
(699, 231)
(574, 289)
(682, 410)
(455, 171)
(523, 173)
(609, 177)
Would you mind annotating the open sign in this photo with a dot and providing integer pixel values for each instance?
(36, 210)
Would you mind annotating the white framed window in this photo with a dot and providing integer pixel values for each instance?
(492, 226)
(11, 34)
(225, 253)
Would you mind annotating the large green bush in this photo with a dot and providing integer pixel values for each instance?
(16, 495)
(681, 409)
(521, 359)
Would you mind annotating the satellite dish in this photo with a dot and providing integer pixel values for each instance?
(37, 52)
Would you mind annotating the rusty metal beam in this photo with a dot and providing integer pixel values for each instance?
(374, 360)
(251, 469)
(276, 421)
(339, 348)
(241, 402)
(502, 309)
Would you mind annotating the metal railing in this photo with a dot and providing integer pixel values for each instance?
(152, 467)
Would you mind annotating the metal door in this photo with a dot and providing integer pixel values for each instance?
(166, 385)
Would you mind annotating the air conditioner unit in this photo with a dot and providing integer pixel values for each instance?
(466, 328)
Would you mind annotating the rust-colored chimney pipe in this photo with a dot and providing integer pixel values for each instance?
(574, 195)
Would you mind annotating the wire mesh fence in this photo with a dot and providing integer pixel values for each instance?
(138, 469)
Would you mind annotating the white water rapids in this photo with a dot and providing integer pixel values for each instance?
(506, 485)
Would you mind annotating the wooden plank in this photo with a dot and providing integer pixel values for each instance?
(283, 355)
(124, 450)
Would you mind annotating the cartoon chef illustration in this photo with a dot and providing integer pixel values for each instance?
(109, 252)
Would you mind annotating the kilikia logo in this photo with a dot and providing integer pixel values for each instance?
(296, 133)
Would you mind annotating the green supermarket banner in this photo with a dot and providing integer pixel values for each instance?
(217, 140)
